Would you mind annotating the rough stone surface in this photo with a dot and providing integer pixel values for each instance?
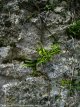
(4, 53)
(14, 70)
(31, 91)
(24, 24)
(58, 9)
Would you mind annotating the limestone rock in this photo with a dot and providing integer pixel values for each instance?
(24, 24)
(32, 91)
(58, 9)
(4, 53)
(16, 71)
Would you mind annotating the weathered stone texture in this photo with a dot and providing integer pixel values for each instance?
(24, 24)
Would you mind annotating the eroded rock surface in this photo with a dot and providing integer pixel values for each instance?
(24, 24)
(31, 91)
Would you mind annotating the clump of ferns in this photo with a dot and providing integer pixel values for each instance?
(44, 56)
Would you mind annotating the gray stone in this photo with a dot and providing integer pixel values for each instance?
(4, 53)
(15, 71)
(24, 24)
(32, 91)
(58, 9)
(30, 37)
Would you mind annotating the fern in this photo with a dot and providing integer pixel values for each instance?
(44, 56)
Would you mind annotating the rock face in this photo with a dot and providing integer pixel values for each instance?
(24, 24)
(31, 91)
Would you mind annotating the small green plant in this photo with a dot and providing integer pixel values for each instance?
(30, 63)
(74, 29)
(44, 56)
(71, 84)
(66, 82)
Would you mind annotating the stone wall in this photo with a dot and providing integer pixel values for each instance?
(24, 24)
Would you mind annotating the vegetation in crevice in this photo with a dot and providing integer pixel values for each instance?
(74, 30)
(71, 84)
(44, 56)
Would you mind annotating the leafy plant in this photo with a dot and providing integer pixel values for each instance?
(30, 63)
(71, 84)
(44, 56)
(74, 29)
